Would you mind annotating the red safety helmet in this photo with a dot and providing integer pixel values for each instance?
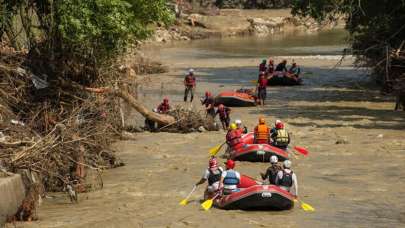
(213, 163)
(230, 164)
(279, 125)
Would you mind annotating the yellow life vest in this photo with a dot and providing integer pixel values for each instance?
(282, 137)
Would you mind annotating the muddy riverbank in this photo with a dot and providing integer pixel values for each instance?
(237, 22)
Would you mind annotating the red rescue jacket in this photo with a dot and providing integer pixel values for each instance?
(189, 80)
(234, 138)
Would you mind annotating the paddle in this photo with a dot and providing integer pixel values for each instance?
(208, 203)
(185, 201)
(305, 206)
(213, 151)
(301, 150)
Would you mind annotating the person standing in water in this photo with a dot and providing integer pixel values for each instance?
(189, 84)
(262, 88)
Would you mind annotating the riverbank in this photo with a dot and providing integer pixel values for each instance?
(350, 132)
(236, 22)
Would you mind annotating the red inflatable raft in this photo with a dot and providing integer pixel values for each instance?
(258, 153)
(235, 99)
(253, 196)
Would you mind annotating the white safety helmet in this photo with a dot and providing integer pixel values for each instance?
(278, 122)
(155, 110)
(287, 164)
(191, 71)
(273, 159)
(238, 122)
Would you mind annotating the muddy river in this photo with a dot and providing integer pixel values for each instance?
(353, 177)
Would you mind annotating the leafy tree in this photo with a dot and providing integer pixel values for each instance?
(375, 25)
(90, 32)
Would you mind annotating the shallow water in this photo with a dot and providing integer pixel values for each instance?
(358, 183)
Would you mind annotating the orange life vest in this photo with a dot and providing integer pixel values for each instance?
(262, 132)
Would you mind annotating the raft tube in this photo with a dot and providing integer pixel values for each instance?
(235, 99)
(258, 153)
(280, 80)
(257, 197)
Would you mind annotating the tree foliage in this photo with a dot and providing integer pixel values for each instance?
(374, 25)
(91, 31)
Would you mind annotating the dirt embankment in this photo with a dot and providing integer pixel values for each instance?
(236, 22)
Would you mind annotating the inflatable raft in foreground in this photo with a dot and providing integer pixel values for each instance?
(235, 99)
(253, 196)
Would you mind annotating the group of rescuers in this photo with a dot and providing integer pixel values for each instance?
(226, 181)
(266, 71)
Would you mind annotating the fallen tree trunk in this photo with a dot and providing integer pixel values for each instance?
(138, 106)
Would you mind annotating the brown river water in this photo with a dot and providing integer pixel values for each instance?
(358, 183)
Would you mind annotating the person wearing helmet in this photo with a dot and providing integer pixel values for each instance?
(262, 66)
(282, 67)
(224, 115)
(287, 179)
(294, 71)
(164, 107)
(279, 135)
(229, 178)
(262, 132)
(242, 129)
(270, 67)
(209, 103)
(234, 138)
(272, 171)
(213, 175)
(189, 84)
(262, 88)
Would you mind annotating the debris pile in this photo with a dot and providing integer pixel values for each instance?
(53, 130)
(188, 120)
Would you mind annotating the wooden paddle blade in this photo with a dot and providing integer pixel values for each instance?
(183, 202)
(207, 204)
(307, 207)
(301, 150)
(215, 150)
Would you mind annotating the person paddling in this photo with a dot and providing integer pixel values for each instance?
(229, 179)
(213, 175)
(272, 171)
(242, 129)
(234, 138)
(281, 68)
(224, 115)
(294, 71)
(287, 179)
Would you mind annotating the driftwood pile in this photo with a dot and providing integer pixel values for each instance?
(188, 120)
(59, 133)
